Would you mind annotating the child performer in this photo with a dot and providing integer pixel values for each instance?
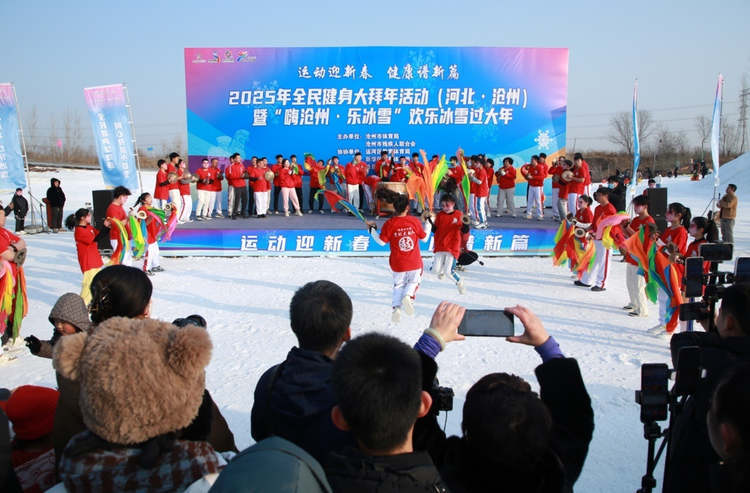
(151, 263)
(448, 227)
(117, 211)
(315, 186)
(161, 190)
(637, 283)
(678, 217)
(596, 278)
(703, 231)
(402, 232)
(86, 244)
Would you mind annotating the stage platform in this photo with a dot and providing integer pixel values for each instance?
(328, 234)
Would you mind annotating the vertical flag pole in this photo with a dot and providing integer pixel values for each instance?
(716, 136)
(25, 157)
(132, 131)
(636, 143)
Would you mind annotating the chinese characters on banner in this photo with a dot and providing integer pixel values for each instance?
(12, 174)
(326, 101)
(114, 142)
(342, 243)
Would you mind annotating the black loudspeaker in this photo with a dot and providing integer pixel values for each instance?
(101, 200)
(658, 207)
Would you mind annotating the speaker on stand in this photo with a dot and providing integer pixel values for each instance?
(658, 207)
(101, 199)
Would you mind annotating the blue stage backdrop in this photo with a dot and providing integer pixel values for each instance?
(339, 101)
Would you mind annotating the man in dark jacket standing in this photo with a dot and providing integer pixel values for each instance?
(20, 207)
(294, 400)
(56, 198)
(513, 440)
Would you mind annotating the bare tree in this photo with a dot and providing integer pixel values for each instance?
(670, 145)
(67, 124)
(177, 143)
(703, 126)
(52, 137)
(620, 130)
(164, 147)
(31, 130)
(728, 140)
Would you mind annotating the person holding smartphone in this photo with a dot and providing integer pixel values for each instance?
(519, 440)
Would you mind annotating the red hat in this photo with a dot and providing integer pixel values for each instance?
(31, 409)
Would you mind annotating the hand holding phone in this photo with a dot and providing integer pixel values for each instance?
(492, 323)
(534, 333)
(446, 320)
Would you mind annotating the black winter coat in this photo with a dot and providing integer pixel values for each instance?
(690, 452)
(300, 405)
(353, 471)
(55, 195)
(20, 206)
(563, 391)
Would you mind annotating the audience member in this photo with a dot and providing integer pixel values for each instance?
(273, 464)
(377, 380)
(68, 316)
(31, 410)
(690, 454)
(728, 213)
(294, 399)
(729, 431)
(119, 291)
(514, 440)
(141, 384)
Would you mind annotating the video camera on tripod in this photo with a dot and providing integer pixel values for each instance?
(710, 287)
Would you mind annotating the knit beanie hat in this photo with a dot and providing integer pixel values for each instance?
(71, 308)
(140, 378)
(31, 409)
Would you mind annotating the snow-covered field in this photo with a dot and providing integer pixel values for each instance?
(245, 301)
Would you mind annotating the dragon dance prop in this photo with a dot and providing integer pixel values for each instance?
(137, 229)
(122, 236)
(579, 253)
(335, 199)
(13, 302)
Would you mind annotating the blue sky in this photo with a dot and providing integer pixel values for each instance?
(52, 49)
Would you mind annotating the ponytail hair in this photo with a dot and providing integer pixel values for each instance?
(72, 220)
(685, 216)
(142, 199)
(400, 202)
(710, 231)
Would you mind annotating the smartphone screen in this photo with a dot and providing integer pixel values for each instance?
(742, 270)
(716, 252)
(694, 277)
(654, 392)
(693, 311)
(491, 323)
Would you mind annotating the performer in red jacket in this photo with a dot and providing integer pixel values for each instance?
(86, 237)
(506, 180)
(161, 191)
(116, 210)
(448, 228)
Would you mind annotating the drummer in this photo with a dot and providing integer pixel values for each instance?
(161, 192)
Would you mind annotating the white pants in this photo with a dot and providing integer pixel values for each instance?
(507, 195)
(261, 202)
(127, 259)
(290, 193)
(405, 284)
(152, 257)
(204, 200)
(636, 290)
(535, 199)
(214, 203)
(176, 199)
(445, 262)
(600, 270)
(473, 206)
(159, 203)
(187, 207)
(230, 200)
(369, 197)
(573, 203)
(587, 190)
(480, 207)
(663, 300)
(555, 207)
(352, 192)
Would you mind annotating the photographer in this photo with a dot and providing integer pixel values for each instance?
(512, 439)
(690, 453)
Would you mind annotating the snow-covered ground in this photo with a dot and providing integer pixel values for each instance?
(245, 301)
